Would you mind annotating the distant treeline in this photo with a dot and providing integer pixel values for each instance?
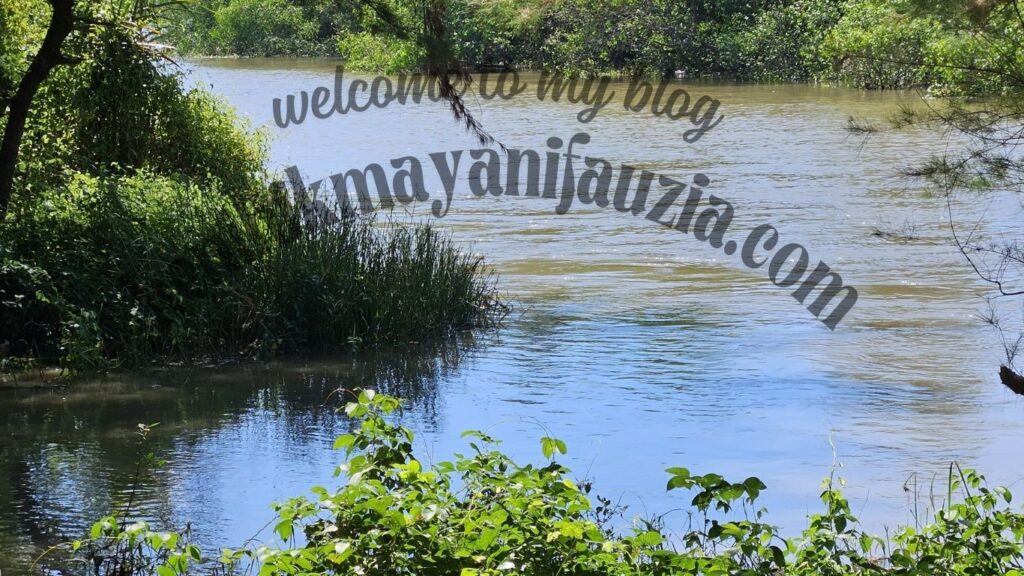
(864, 43)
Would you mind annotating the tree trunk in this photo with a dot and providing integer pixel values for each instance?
(62, 23)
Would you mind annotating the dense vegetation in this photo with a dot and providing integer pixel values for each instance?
(867, 43)
(143, 227)
(484, 514)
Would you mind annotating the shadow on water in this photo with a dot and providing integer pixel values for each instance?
(69, 454)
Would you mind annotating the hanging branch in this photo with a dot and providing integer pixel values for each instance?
(443, 66)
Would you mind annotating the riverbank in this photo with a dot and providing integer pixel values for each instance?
(862, 43)
(144, 227)
(138, 270)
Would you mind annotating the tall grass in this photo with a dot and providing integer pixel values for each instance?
(130, 270)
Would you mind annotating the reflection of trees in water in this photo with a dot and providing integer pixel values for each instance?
(68, 456)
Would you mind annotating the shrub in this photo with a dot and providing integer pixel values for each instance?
(189, 28)
(143, 229)
(132, 269)
(16, 31)
(875, 45)
(484, 514)
(367, 52)
(979, 58)
(782, 43)
(31, 312)
(954, 49)
(496, 33)
(263, 28)
(630, 37)
(118, 112)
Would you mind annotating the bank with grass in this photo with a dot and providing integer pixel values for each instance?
(144, 228)
(887, 44)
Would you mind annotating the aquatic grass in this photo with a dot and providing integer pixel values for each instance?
(364, 280)
(124, 271)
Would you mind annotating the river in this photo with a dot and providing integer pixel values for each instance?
(641, 347)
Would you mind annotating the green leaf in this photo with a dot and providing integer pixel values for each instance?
(648, 539)
(679, 482)
(344, 441)
(549, 446)
(285, 530)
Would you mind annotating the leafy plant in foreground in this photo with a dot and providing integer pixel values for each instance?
(484, 514)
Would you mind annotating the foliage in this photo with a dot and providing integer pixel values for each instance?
(876, 45)
(983, 53)
(27, 296)
(143, 228)
(782, 43)
(366, 51)
(865, 43)
(249, 28)
(954, 49)
(632, 37)
(484, 514)
(287, 27)
(131, 269)
(16, 18)
(262, 28)
(496, 33)
(117, 112)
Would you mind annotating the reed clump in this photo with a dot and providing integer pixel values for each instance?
(129, 270)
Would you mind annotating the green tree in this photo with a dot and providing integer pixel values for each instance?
(63, 22)
(974, 58)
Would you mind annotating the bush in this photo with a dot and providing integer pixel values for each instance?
(130, 270)
(782, 44)
(142, 229)
(875, 45)
(118, 112)
(263, 28)
(189, 29)
(367, 52)
(496, 33)
(484, 514)
(630, 37)
(15, 31)
(31, 312)
(979, 58)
